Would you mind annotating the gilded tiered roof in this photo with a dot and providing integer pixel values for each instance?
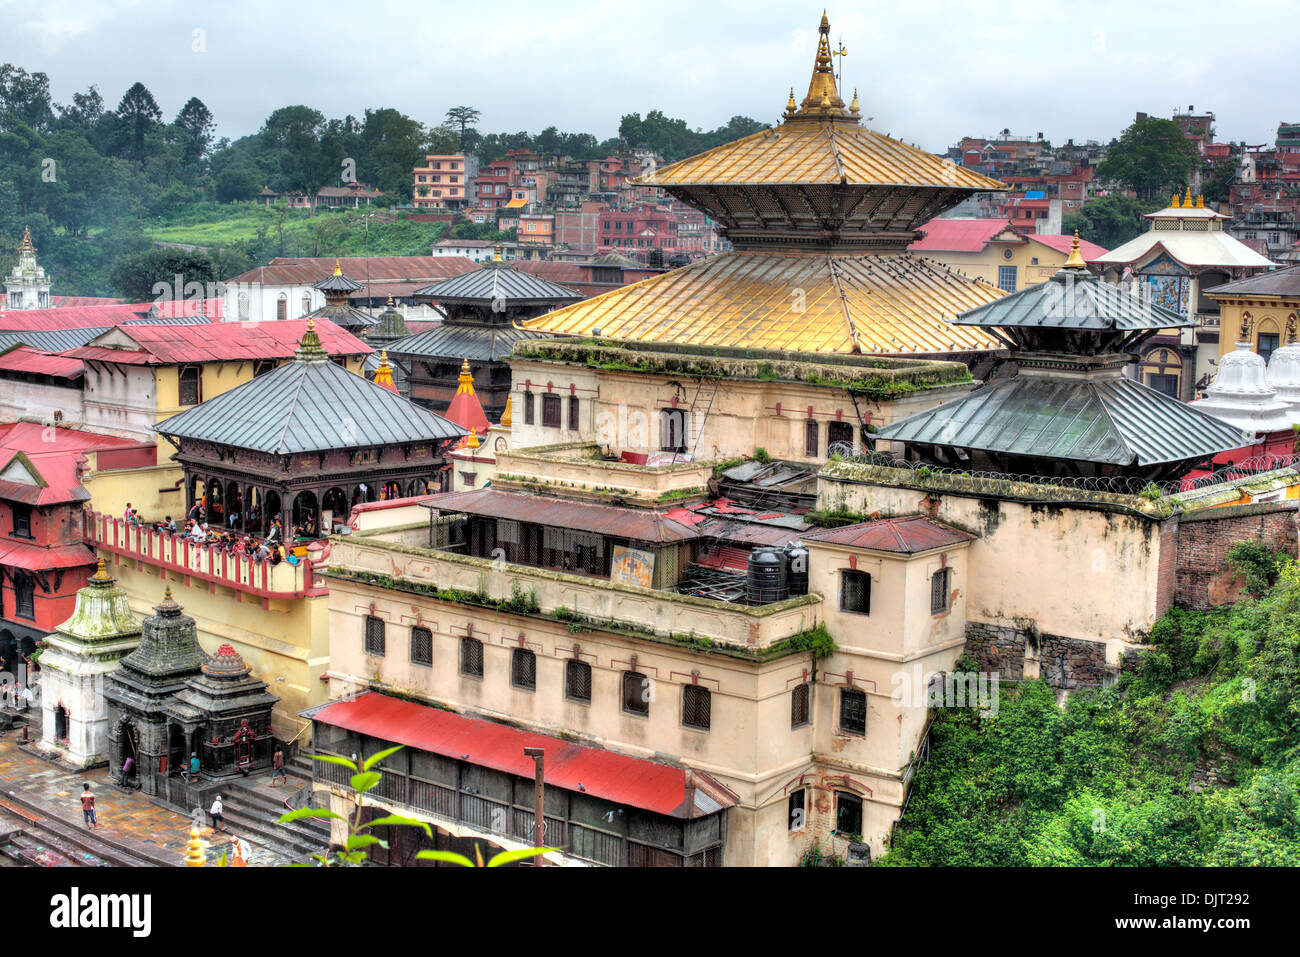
(820, 211)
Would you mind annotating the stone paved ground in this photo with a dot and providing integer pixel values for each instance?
(121, 813)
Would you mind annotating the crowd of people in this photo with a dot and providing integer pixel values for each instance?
(271, 547)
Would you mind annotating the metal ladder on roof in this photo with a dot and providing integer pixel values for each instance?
(706, 389)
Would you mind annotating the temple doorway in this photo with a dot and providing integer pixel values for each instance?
(61, 724)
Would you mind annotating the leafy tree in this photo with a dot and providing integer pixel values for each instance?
(293, 135)
(1217, 185)
(141, 113)
(134, 276)
(236, 183)
(1109, 221)
(392, 144)
(88, 189)
(196, 121)
(464, 117)
(24, 98)
(1151, 157)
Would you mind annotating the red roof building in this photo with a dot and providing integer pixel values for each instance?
(215, 342)
(43, 555)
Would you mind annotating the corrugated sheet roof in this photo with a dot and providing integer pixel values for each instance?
(958, 235)
(818, 153)
(482, 343)
(52, 340)
(53, 455)
(1279, 282)
(1114, 421)
(641, 524)
(608, 775)
(906, 535)
(306, 271)
(892, 304)
(40, 558)
(215, 342)
(497, 282)
(308, 406)
(1073, 299)
(345, 317)
(25, 359)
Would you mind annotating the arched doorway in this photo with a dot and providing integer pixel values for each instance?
(198, 491)
(234, 506)
(334, 509)
(216, 504)
(306, 514)
(271, 511)
(390, 490)
(61, 723)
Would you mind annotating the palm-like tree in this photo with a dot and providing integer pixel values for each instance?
(464, 117)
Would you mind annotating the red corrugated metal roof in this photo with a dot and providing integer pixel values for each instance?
(26, 359)
(1062, 244)
(217, 342)
(290, 271)
(604, 774)
(34, 557)
(958, 235)
(75, 317)
(915, 533)
(52, 454)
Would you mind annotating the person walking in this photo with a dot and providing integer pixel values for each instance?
(88, 806)
(127, 767)
(217, 810)
(277, 767)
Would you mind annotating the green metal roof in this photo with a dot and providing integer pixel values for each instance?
(1112, 421)
(308, 405)
(1073, 299)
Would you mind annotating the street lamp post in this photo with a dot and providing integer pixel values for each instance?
(539, 821)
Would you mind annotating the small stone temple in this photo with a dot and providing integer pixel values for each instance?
(81, 653)
(169, 700)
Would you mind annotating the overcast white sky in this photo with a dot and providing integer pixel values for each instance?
(927, 71)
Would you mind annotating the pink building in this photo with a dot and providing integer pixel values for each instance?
(442, 182)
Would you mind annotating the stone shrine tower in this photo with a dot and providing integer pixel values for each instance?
(82, 652)
(27, 286)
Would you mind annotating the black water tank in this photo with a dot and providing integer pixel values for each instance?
(767, 576)
(796, 557)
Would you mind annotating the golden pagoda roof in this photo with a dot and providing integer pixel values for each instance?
(891, 304)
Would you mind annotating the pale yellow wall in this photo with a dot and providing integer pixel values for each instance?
(157, 492)
(1267, 316)
(984, 264)
(621, 410)
(1072, 571)
(287, 639)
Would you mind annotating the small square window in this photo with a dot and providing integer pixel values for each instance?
(577, 681)
(855, 592)
(848, 813)
(374, 636)
(421, 646)
(523, 669)
(696, 707)
(853, 711)
(22, 520)
(471, 657)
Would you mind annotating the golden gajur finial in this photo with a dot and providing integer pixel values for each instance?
(1200, 201)
(472, 441)
(1187, 200)
(791, 106)
(1173, 203)
(194, 848)
(853, 107)
(337, 269)
(1075, 259)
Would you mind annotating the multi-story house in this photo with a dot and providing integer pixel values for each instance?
(444, 181)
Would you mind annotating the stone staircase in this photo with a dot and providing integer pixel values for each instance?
(252, 811)
(39, 836)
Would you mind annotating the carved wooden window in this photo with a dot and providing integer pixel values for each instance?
(421, 646)
(374, 636)
(551, 411)
(811, 437)
(799, 705)
(528, 408)
(573, 413)
(523, 669)
(189, 386)
(636, 693)
(24, 598)
(853, 711)
(471, 657)
(696, 707)
(577, 681)
(22, 520)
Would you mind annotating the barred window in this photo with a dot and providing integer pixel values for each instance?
(939, 591)
(696, 707)
(421, 646)
(471, 657)
(812, 438)
(636, 693)
(523, 669)
(528, 408)
(795, 820)
(799, 705)
(848, 813)
(577, 680)
(855, 592)
(853, 711)
(374, 636)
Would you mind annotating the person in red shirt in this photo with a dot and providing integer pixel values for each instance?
(88, 806)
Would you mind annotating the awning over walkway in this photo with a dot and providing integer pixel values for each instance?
(604, 774)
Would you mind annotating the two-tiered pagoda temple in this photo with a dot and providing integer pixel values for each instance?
(820, 211)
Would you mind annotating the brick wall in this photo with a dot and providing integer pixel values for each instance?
(1167, 568)
(1203, 579)
(997, 648)
(1063, 662)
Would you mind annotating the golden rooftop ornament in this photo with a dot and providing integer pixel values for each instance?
(1075, 259)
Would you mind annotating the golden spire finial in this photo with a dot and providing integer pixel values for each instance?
(1075, 259)
(1200, 201)
(853, 107)
(1187, 200)
(311, 323)
(384, 373)
(194, 848)
(472, 441)
(507, 416)
(390, 302)
(1173, 203)
(27, 241)
(338, 271)
(101, 571)
(167, 593)
(823, 97)
(791, 106)
(466, 380)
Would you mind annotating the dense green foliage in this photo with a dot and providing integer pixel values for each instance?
(1110, 221)
(1151, 157)
(1191, 759)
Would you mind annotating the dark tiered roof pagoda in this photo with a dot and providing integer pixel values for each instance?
(337, 289)
(1069, 409)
